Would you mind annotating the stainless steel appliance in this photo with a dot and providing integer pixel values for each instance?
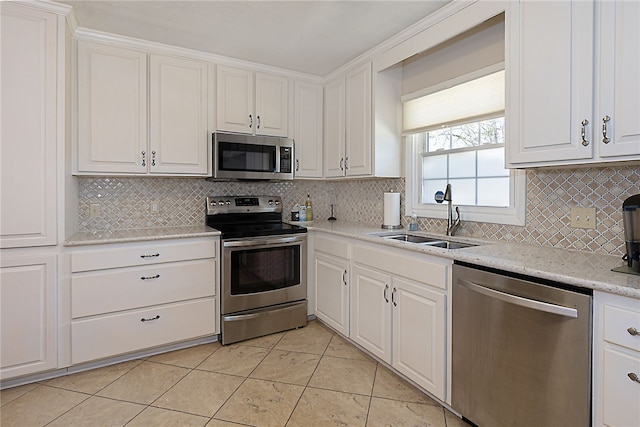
(263, 282)
(631, 220)
(521, 350)
(237, 156)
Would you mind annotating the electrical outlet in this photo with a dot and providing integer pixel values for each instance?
(94, 210)
(583, 218)
(154, 207)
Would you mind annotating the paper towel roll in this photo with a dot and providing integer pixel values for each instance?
(391, 210)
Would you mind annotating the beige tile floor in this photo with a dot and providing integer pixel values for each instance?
(306, 377)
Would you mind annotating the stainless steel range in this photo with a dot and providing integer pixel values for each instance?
(263, 282)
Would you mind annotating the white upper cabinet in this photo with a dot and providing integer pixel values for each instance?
(334, 128)
(254, 103)
(29, 127)
(272, 105)
(308, 130)
(550, 81)
(235, 99)
(358, 122)
(119, 134)
(362, 136)
(347, 150)
(178, 128)
(558, 111)
(112, 109)
(619, 83)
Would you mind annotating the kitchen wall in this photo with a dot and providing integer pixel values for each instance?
(551, 194)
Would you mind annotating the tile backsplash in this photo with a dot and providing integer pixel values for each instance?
(551, 193)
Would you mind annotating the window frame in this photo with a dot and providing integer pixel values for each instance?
(514, 214)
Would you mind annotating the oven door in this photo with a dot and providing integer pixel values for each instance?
(263, 271)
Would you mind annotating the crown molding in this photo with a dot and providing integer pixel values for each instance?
(161, 48)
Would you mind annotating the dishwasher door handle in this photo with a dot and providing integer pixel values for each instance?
(524, 302)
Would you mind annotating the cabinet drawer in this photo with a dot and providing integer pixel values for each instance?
(432, 271)
(127, 288)
(621, 394)
(143, 253)
(126, 332)
(334, 247)
(617, 321)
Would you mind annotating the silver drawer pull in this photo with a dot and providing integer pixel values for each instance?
(633, 331)
(150, 277)
(150, 318)
(149, 256)
(633, 377)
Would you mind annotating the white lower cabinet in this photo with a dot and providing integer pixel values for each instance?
(371, 311)
(133, 296)
(331, 277)
(399, 315)
(419, 334)
(616, 360)
(28, 315)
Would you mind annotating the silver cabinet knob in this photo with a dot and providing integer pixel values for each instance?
(633, 377)
(633, 331)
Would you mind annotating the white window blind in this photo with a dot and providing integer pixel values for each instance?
(473, 100)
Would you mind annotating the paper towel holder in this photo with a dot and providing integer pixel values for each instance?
(391, 226)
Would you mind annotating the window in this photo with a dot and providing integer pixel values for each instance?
(455, 133)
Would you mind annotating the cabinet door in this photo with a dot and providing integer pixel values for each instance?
(419, 335)
(620, 393)
(358, 120)
(235, 100)
(332, 291)
(27, 315)
(308, 130)
(334, 128)
(29, 100)
(619, 85)
(371, 311)
(112, 109)
(550, 81)
(178, 127)
(272, 105)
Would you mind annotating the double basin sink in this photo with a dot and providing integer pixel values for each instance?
(426, 241)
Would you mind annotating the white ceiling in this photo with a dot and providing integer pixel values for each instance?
(314, 37)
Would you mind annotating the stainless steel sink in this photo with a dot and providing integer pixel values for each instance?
(411, 238)
(450, 245)
(426, 241)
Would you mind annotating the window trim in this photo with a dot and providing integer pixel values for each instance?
(512, 215)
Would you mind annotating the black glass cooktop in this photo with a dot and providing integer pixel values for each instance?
(241, 230)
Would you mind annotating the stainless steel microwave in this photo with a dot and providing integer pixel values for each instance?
(237, 156)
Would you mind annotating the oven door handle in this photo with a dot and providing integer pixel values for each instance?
(524, 302)
(263, 242)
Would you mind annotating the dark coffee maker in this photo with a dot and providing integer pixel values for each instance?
(631, 221)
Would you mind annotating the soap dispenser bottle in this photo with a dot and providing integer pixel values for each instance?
(309, 207)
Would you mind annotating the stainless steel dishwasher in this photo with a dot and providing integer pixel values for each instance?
(521, 350)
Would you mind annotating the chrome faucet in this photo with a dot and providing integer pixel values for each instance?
(452, 225)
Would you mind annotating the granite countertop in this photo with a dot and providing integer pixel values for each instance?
(583, 269)
(139, 235)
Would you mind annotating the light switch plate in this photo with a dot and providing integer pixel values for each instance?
(154, 207)
(583, 218)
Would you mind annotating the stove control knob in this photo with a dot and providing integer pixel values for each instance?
(227, 203)
(220, 203)
(277, 202)
(212, 203)
(270, 202)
